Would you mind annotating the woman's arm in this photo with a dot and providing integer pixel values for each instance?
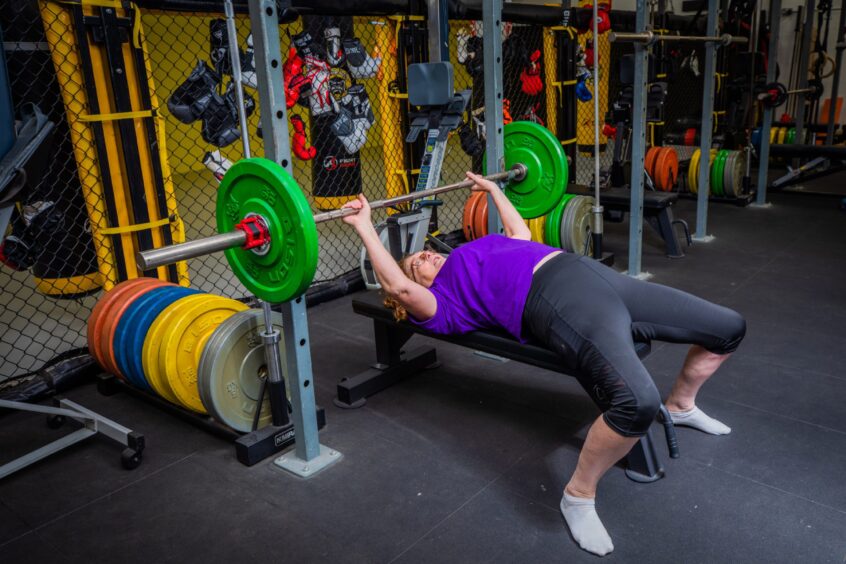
(513, 223)
(417, 300)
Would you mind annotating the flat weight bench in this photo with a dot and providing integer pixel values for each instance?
(657, 210)
(394, 365)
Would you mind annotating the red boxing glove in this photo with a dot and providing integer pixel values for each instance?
(609, 130)
(300, 145)
(294, 64)
(603, 20)
(506, 111)
(530, 77)
(589, 57)
(292, 74)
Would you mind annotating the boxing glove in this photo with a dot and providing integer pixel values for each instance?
(188, 101)
(583, 92)
(530, 82)
(216, 163)
(320, 100)
(302, 150)
(334, 53)
(359, 62)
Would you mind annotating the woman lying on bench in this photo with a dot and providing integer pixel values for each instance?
(586, 312)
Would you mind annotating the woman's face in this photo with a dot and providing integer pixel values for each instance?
(424, 266)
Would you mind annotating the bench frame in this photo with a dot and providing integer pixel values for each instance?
(657, 211)
(394, 364)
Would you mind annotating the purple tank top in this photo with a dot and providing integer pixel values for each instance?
(484, 285)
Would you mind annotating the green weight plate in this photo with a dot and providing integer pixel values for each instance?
(717, 173)
(546, 177)
(552, 222)
(262, 187)
(723, 163)
(791, 135)
(728, 175)
(549, 228)
(560, 210)
(231, 370)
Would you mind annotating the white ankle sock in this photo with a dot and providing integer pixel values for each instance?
(697, 419)
(585, 526)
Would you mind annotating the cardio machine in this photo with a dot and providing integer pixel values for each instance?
(440, 111)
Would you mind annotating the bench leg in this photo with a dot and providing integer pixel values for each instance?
(392, 366)
(642, 464)
(663, 224)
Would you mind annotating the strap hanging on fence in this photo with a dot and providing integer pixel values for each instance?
(118, 115)
(652, 125)
(139, 226)
(717, 114)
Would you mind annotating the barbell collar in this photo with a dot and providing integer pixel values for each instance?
(148, 260)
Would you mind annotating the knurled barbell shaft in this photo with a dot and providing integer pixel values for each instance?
(650, 37)
(170, 254)
(517, 172)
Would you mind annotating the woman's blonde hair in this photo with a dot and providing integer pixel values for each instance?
(400, 314)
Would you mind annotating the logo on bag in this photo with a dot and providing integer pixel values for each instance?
(331, 163)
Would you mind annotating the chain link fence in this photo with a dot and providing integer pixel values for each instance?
(49, 260)
(146, 124)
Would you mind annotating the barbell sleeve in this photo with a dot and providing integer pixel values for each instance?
(648, 37)
(170, 254)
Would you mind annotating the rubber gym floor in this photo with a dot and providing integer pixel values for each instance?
(466, 462)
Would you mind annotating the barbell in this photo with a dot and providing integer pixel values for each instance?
(775, 94)
(649, 37)
(269, 235)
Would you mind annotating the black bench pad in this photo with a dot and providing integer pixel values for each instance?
(498, 343)
(620, 198)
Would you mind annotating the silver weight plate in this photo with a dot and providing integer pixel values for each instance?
(232, 369)
(580, 232)
(728, 175)
(566, 226)
(739, 173)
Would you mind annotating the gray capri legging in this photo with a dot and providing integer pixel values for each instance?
(591, 316)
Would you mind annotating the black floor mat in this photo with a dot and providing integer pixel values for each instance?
(466, 462)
